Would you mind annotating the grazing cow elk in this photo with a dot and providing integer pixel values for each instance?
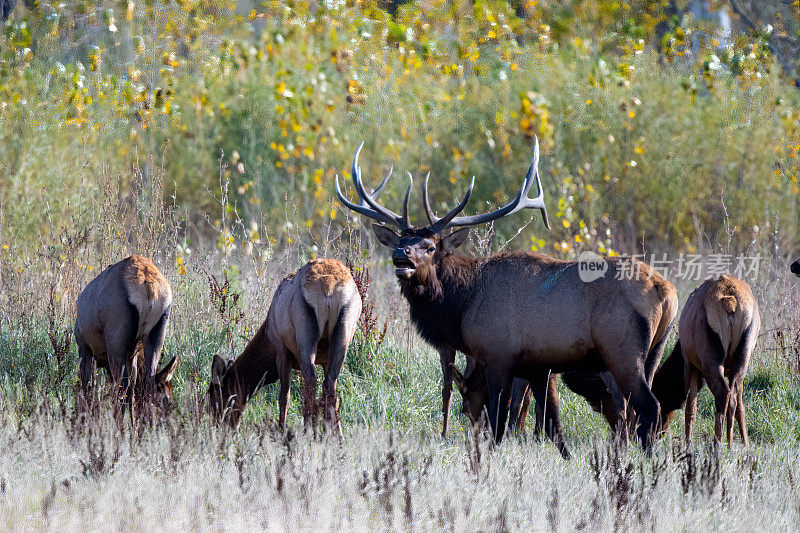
(795, 268)
(475, 400)
(717, 332)
(311, 320)
(120, 326)
(523, 314)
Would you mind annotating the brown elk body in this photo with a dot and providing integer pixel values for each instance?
(120, 326)
(524, 314)
(717, 332)
(311, 320)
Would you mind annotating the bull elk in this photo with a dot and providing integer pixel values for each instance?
(311, 320)
(475, 400)
(717, 332)
(120, 326)
(522, 314)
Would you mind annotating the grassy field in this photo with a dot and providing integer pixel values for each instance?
(391, 470)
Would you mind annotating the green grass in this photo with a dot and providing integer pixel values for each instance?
(390, 470)
(384, 386)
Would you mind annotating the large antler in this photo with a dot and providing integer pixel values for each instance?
(521, 201)
(368, 205)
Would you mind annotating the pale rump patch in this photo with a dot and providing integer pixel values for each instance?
(326, 274)
(728, 291)
(140, 271)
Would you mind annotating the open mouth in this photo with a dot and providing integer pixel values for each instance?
(403, 268)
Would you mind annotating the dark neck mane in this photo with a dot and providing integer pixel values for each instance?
(438, 296)
(253, 369)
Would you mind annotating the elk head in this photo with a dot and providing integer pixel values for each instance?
(474, 393)
(416, 250)
(222, 401)
(795, 268)
(160, 391)
(163, 390)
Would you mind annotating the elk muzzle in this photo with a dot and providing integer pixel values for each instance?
(403, 266)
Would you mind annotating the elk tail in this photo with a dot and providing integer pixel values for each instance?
(669, 383)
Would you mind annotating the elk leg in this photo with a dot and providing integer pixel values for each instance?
(731, 411)
(632, 383)
(305, 360)
(521, 395)
(285, 376)
(543, 385)
(693, 382)
(447, 356)
(120, 338)
(538, 412)
(648, 410)
(119, 377)
(88, 369)
(153, 344)
(613, 407)
(721, 391)
(740, 411)
(336, 355)
(130, 375)
(309, 392)
(499, 383)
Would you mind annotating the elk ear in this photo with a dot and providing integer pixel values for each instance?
(455, 239)
(386, 236)
(458, 379)
(166, 373)
(218, 369)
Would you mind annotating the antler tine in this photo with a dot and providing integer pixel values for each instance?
(368, 206)
(444, 222)
(533, 174)
(362, 208)
(406, 220)
(520, 201)
(380, 187)
(432, 218)
(359, 183)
